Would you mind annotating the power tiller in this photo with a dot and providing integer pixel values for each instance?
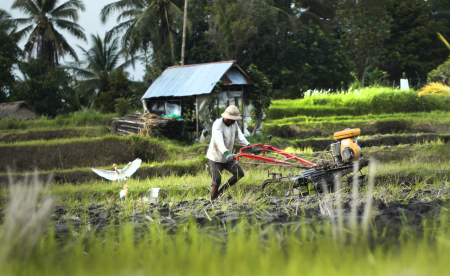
(344, 160)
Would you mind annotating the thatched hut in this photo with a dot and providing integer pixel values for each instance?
(18, 110)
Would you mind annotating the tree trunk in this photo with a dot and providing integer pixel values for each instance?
(364, 71)
(258, 122)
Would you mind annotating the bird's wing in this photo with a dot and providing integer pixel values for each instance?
(131, 167)
(110, 175)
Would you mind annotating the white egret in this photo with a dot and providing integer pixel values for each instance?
(123, 193)
(119, 174)
(153, 194)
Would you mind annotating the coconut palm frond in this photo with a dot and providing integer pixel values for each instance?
(444, 40)
(71, 4)
(65, 46)
(435, 88)
(72, 28)
(149, 22)
(99, 63)
(44, 24)
(110, 9)
(291, 19)
(7, 24)
(26, 6)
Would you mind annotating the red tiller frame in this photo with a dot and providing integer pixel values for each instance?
(271, 160)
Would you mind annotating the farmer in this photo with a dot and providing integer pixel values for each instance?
(225, 132)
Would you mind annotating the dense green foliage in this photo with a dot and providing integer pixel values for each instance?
(119, 88)
(441, 13)
(297, 44)
(44, 88)
(260, 94)
(311, 59)
(440, 74)
(9, 56)
(364, 26)
(413, 47)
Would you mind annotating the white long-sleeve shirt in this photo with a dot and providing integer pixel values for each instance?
(222, 140)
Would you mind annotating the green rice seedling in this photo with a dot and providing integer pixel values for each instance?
(245, 248)
(80, 118)
(375, 100)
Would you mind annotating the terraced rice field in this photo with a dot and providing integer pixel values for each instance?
(401, 225)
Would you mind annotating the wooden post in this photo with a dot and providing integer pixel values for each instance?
(236, 102)
(243, 118)
(184, 31)
(196, 112)
(181, 107)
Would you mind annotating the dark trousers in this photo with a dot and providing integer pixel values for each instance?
(217, 168)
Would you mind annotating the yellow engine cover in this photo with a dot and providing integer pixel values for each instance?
(347, 133)
(350, 150)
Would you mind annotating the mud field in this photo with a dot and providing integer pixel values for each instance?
(407, 211)
(295, 131)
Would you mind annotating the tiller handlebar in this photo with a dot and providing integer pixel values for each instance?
(266, 148)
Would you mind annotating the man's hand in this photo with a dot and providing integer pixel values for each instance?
(228, 156)
(253, 150)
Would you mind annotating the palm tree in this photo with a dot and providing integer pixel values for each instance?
(435, 87)
(99, 64)
(308, 10)
(146, 21)
(316, 10)
(44, 18)
(6, 22)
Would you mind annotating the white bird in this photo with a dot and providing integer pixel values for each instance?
(153, 194)
(119, 174)
(123, 193)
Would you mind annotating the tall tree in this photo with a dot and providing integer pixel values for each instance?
(414, 47)
(311, 59)
(99, 64)
(146, 22)
(317, 11)
(437, 88)
(365, 26)
(441, 12)
(9, 56)
(239, 28)
(44, 19)
(45, 88)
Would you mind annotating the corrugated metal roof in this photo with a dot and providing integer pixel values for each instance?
(236, 77)
(188, 80)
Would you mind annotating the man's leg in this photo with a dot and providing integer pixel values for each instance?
(215, 168)
(234, 168)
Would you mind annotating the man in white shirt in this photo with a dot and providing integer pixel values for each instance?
(225, 132)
